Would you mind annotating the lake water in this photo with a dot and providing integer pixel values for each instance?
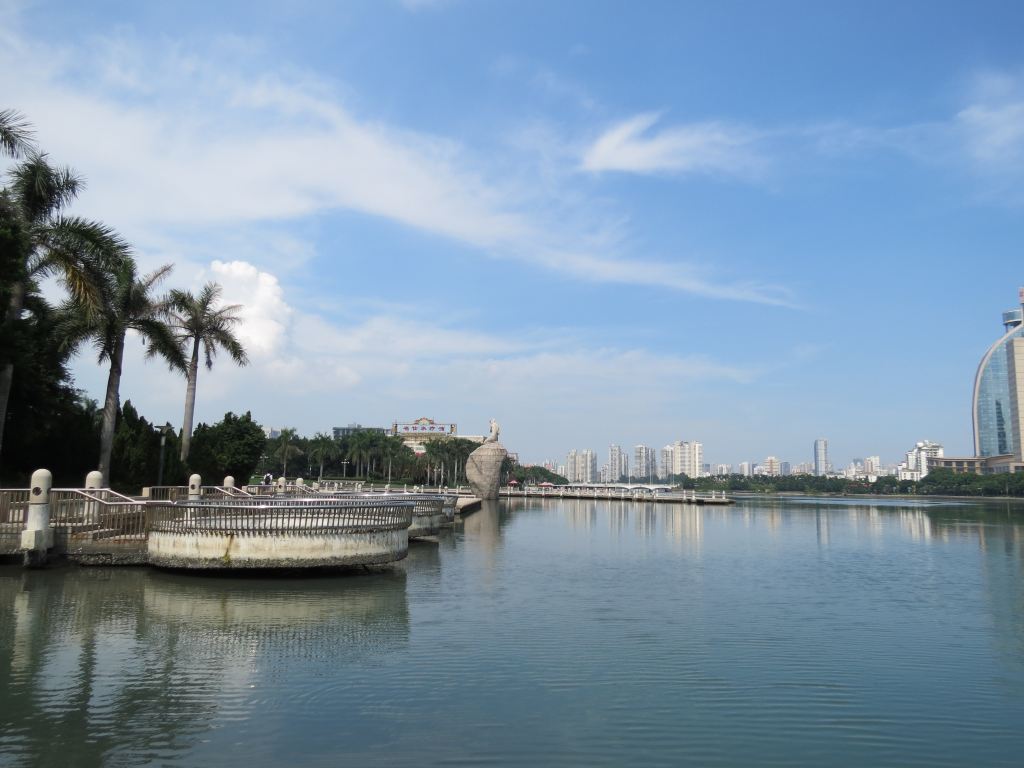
(790, 632)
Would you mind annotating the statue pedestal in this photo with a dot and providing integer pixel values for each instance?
(483, 470)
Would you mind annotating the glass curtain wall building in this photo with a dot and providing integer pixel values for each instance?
(997, 391)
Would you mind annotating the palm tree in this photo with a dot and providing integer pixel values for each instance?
(15, 133)
(359, 449)
(76, 251)
(199, 320)
(131, 307)
(325, 448)
(285, 449)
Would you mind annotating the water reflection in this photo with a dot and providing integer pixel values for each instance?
(134, 664)
(567, 632)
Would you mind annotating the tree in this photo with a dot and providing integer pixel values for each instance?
(360, 450)
(199, 320)
(135, 455)
(130, 306)
(15, 133)
(50, 423)
(323, 448)
(232, 446)
(286, 449)
(76, 251)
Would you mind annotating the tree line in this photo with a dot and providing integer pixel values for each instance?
(367, 455)
(938, 482)
(44, 420)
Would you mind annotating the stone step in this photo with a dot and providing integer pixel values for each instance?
(96, 533)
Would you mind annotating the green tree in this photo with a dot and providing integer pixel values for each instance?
(286, 448)
(202, 322)
(232, 446)
(129, 306)
(15, 134)
(50, 424)
(323, 448)
(75, 251)
(135, 455)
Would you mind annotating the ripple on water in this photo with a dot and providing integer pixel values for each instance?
(554, 635)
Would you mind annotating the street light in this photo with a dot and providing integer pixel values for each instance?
(163, 441)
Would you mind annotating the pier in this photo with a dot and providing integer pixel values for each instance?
(216, 527)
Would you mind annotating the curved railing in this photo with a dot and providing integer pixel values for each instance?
(305, 516)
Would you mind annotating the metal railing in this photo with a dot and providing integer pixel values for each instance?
(95, 514)
(13, 505)
(425, 503)
(180, 492)
(304, 516)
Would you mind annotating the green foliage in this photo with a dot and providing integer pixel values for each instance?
(939, 482)
(135, 459)
(945, 482)
(532, 475)
(232, 446)
(49, 423)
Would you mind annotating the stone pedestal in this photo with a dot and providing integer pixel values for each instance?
(483, 470)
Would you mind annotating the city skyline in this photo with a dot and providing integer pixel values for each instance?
(519, 212)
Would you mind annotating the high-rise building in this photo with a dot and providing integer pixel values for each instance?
(617, 463)
(586, 466)
(785, 468)
(771, 467)
(998, 407)
(745, 469)
(644, 462)
(688, 458)
(570, 466)
(820, 456)
(872, 465)
(723, 469)
(999, 389)
(665, 468)
(919, 459)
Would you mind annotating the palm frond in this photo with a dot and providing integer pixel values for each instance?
(15, 133)
(42, 189)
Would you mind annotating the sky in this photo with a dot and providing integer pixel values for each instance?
(748, 224)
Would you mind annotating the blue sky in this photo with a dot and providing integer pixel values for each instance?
(750, 224)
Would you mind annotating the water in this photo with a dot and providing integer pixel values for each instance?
(792, 632)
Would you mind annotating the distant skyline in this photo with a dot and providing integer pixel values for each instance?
(746, 224)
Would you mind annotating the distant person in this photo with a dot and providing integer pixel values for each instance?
(268, 479)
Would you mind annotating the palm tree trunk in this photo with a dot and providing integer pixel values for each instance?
(14, 306)
(110, 404)
(190, 400)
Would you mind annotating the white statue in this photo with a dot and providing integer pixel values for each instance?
(493, 436)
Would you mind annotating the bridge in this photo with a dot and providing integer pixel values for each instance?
(618, 492)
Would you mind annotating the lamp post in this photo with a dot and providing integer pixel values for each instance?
(344, 469)
(163, 442)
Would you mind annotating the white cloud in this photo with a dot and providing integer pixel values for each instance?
(265, 315)
(309, 372)
(707, 148)
(176, 143)
(992, 125)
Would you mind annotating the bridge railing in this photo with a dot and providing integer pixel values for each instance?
(13, 505)
(308, 516)
(93, 514)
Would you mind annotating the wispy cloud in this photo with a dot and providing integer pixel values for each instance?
(175, 141)
(992, 125)
(384, 365)
(713, 148)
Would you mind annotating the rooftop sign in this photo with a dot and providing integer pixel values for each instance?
(423, 426)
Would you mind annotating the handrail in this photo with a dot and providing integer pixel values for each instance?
(303, 516)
